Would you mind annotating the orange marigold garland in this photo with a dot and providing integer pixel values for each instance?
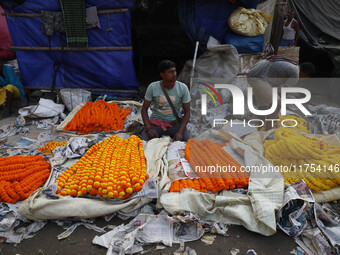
(97, 117)
(206, 153)
(20, 176)
(114, 168)
(187, 150)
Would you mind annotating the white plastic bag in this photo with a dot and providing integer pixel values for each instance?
(46, 108)
(73, 97)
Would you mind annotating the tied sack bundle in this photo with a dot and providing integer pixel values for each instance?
(249, 22)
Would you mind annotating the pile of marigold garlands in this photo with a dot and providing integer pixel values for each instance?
(20, 176)
(310, 159)
(113, 168)
(49, 147)
(97, 117)
(205, 153)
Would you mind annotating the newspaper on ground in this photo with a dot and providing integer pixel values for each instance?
(70, 230)
(325, 119)
(47, 123)
(179, 167)
(76, 147)
(314, 226)
(10, 220)
(146, 228)
(208, 239)
(16, 127)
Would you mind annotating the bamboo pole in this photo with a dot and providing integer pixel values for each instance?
(36, 15)
(120, 91)
(31, 48)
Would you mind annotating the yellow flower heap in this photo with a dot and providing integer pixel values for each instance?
(114, 168)
(316, 162)
(301, 123)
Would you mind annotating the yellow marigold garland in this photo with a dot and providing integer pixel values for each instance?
(48, 148)
(291, 149)
(114, 168)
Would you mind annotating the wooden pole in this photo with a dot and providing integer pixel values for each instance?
(31, 48)
(36, 15)
(275, 36)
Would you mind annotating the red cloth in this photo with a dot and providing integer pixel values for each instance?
(160, 123)
(5, 39)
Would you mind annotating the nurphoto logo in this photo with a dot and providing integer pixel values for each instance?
(238, 99)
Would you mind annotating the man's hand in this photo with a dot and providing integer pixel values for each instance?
(152, 133)
(178, 136)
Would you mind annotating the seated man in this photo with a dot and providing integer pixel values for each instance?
(10, 87)
(163, 120)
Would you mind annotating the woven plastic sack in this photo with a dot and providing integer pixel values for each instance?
(73, 97)
(249, 22)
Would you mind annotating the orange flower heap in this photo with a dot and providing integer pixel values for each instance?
(114, 168)
(20, 176)
(204, 154)
(98, 116)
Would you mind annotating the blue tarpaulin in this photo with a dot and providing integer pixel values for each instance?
(203, 18)
(112, 70)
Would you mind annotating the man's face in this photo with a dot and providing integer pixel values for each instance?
(169, 75)
(290, 14)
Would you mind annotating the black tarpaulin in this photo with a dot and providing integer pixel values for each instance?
(319, 22)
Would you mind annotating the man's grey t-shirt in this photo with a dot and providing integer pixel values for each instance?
(161, 109)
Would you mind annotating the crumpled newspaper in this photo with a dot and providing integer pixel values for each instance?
(310, 223)
(24, 147)
(325, 119)
(17, 127)
(46, 123)
(77, 146)
(146, 228)
(10, 230)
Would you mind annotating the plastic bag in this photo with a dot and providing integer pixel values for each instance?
(73, 97)
(46, 108)
(249, 22)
